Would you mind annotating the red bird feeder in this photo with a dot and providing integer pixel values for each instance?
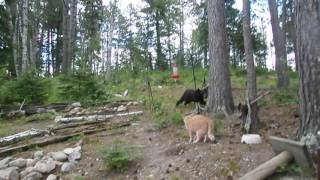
(175, 74)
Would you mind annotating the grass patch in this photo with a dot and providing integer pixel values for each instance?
(294, 169)
(40, 117)
(218, 126)
(176, 119)
(118, 156)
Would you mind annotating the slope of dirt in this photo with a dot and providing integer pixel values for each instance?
(165, 154)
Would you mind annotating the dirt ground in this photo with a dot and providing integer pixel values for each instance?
(165, 154)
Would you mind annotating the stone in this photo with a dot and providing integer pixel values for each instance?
(20, 163)
(122, 108)
(251, 139)
(76, 104)
(129, 103)
(41, 110)
(78, 148)
(126, 92)
(25, 172)
(10, 173)
(59, 156)
(135, 103)
(74, 111)
(31, 162)
(45, 165)
(52, 177)
(75, 155)
(67, 167)
(33, 176)
(38, 155)
(68, 151)
(57, 119)
(5, 162)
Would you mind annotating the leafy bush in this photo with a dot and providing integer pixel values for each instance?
(81, 85)
(118, 157)
(29, 86)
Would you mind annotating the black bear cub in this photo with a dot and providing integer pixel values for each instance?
(191, 95)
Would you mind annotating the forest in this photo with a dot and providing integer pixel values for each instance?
(109, 89)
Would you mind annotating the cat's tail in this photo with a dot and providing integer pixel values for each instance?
(210, 134)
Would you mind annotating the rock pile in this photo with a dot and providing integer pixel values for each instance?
(41, 165)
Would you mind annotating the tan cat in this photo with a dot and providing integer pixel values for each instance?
(201, 125)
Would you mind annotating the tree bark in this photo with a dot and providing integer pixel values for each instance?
(251, 71)
(308, 58)
(11, 8)
(280, 47)
(66, 66)
(109, 41)
(181, 37)
(24, 36)
(220, 95)
(160, 60)
(72, 31)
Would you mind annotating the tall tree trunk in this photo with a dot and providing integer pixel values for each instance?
(66, 56)
(220, 95)
(280, 47)
(109, 42)
(24, 36)
(251, 71)
(11, 8)
(72, 31)
(308, 46)
(160, 62)
(181, 36)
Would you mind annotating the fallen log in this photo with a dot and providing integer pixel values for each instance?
(58, 139)
(21, 135)
(95, 117)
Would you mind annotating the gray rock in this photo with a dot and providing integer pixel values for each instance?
(5, 162)
(38, 155)
(68, 151)
(52, 177)
(10, 173)
(41, 110)
(25, 172)
(74, 111)
(57, 119)
(67, 167)
(75, 155)
(45, 165)
(78, 148)
(33, 176)
(76, 104)
(20, 163)
(31, 162)
(59, 156)
(122, 108)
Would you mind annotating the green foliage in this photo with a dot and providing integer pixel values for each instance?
(81, 85)
(285, 96)
(29, 86)
(118, 156)
(176, 118)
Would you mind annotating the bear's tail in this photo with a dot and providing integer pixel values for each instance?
(178, 102)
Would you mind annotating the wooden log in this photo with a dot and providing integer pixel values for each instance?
(95, 117)
(21, 135)
(268, 168)
(58, 139)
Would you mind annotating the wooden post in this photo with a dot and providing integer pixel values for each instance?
(268, 168)
(318, 164)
